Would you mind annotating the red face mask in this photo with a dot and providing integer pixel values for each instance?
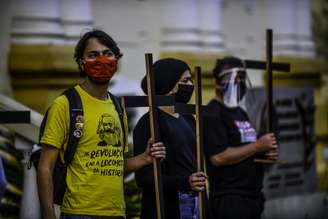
(102, 69)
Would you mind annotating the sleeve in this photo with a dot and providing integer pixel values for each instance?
(215, 135)
(145, 176)
(57, 124)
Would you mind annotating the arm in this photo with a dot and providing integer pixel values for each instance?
(156, 151)
(233, 155)
(44, 179)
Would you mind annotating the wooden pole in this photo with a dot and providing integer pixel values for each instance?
(154, 135)
(270, 79)
(269, 88)
(199, 136)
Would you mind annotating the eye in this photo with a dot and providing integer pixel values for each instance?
(92, 55)
(186, 80)
(108, 53)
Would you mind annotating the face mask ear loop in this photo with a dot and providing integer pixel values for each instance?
(249, 96)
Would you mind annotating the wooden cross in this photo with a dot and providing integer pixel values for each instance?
(269, 66)
(15, 117)
(152, 101)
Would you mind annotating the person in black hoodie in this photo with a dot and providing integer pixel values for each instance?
(231, 145)
(177, 132)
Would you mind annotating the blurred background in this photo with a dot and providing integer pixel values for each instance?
(37, 41)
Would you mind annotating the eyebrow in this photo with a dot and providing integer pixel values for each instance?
(98, 51)
(187, 78)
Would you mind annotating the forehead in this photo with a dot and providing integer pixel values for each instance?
(185, 74)
(93, 44)
(241, 73)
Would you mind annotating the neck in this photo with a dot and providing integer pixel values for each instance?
(218, 98)
(98, 91)
(169, 110)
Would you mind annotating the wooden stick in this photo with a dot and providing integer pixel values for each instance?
(269, 91)
(154, 135)
(270, 80)
(199, 136)
(267, 161)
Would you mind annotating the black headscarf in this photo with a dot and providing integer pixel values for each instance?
(166, 73)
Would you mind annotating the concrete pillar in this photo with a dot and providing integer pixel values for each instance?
(282, 19)
(181, 31)
(210, 26)
(76, 18)
(291, 23)
(36, 22)
(303, 28)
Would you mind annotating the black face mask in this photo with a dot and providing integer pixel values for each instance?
(184, 93)
(242, 90)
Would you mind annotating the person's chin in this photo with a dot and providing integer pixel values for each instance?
(99, 82)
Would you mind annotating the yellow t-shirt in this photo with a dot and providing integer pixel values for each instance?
(95, 176)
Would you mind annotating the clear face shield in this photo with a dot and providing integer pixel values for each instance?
(233, 84)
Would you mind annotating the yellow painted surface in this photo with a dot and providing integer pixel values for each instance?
(39, 73)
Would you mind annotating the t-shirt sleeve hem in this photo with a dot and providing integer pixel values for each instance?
(51, 143)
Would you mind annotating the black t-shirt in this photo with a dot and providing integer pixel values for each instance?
(231, 128)
(178, 135)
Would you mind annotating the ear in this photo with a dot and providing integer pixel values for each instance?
(218, 90)
(81, 64)
(175, 89)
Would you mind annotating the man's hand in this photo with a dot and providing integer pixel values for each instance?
(273, 154)
(266, 143)
(197, 181)
(154, 150)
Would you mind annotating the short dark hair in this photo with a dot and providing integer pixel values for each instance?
(102, 37)
(226, 63)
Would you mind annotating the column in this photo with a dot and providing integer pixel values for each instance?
(76, 18)
(303, 28)
(36, 22)
(210, 26)
(181, 26)
(282, 19)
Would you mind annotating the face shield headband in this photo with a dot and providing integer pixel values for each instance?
(233, 85)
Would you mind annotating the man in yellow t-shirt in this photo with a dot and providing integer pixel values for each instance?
(95, 176)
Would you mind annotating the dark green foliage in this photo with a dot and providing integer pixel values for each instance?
(132, 199)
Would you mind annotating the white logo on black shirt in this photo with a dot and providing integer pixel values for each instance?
(247, 132)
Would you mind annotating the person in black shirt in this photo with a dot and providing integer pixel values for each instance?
(230, 146)
(177, 132)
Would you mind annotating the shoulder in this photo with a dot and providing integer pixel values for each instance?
(143, 121)
(189, 118)
(60, 104)
(61, 100)
(214, 104)
(241, 110)
(213, 110)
